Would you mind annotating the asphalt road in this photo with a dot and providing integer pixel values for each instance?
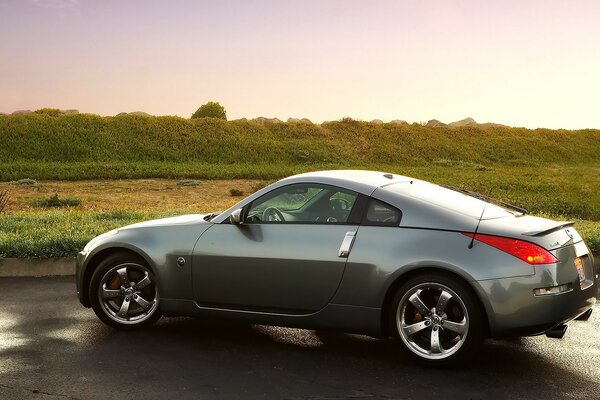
(53, 348)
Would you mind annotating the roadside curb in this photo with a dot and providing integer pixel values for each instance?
(15, 267)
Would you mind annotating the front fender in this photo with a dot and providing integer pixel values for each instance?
(159, 246)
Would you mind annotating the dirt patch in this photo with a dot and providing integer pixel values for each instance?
(137, 194)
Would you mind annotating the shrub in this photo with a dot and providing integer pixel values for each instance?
(117, 215)
(236, 192)
(212, 109)
(26, 181)
(301, 155)
(259, 185)
(460, 164)
(55, 201)
(188, 182)
(53, 112)
(3, 201)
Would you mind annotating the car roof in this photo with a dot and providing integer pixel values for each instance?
(359, 180)
(423, 204)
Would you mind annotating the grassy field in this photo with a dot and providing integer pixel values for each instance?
(104, 164)
(573, 191)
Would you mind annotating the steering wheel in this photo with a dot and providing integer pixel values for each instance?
(272, 214)
(340, 204)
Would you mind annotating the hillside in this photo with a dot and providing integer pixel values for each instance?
(90, 139)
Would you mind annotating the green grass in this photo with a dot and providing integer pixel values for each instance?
(25, 181)
(71, 171)
(236, 192)
(61, 233)
(590, 231)
(56, 202)
(88, 146)
(188, 182)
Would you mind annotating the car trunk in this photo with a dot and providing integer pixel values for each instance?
(544, 232)
(560, 238)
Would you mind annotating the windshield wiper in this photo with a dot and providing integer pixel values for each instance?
(487, 199)
(210, 216)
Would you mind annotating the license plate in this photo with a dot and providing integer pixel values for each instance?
(580, 270)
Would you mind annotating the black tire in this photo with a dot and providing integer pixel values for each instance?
(110, 288)
(439, 337)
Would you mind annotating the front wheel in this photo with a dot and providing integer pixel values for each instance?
(437, 319)
(123, 292)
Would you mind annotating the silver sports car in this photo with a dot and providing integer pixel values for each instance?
(437, 268)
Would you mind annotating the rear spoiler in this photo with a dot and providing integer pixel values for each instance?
(557, 227)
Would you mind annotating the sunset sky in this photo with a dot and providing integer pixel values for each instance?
(521, 63)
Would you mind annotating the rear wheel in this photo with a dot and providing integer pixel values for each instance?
(437, 319)
(123, 292)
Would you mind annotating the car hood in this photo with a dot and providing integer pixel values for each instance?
(131, 231)
(171, 221)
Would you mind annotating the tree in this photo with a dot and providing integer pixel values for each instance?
(53, 112)
(212, 109)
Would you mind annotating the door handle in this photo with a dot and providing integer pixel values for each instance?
(344, 251)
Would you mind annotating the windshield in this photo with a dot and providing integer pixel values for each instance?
(290, 200)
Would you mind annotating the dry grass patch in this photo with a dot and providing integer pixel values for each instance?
(134, 195)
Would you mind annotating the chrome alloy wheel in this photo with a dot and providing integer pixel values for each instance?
(432, 321)
(127, 294)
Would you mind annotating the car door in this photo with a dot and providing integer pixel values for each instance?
(284, 258)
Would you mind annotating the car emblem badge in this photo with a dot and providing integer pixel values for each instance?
(181, 261)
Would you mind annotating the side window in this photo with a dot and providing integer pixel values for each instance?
(303, 203)
(381, 214)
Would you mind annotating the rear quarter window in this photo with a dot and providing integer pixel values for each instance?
(379, 213)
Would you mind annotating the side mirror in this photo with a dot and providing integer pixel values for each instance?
(236, 217)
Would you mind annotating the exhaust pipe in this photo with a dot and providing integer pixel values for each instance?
(557, 332)
(585, 316)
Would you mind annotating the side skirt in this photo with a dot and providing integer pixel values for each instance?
(336, 317)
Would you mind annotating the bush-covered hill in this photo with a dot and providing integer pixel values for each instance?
(130, 139)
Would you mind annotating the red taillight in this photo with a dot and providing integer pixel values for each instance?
(528, 252)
